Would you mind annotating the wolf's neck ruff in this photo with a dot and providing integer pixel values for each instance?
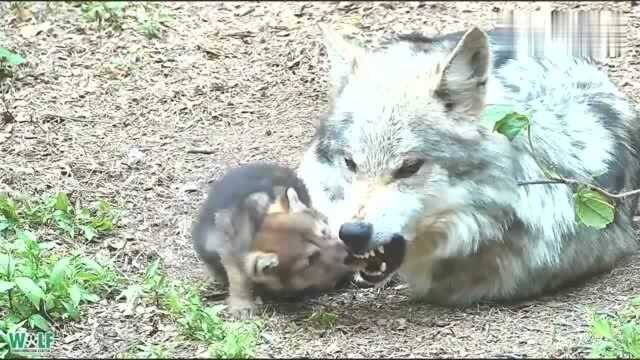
(471, 232)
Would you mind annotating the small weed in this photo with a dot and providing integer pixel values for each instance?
(617, 336)
(323, 319)
(38, 287)
(58, 211)
(150, 21)
(104, 12)
(9, 61)
(196, 321)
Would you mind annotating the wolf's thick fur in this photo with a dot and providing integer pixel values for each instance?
(403, 148)
(258, 234)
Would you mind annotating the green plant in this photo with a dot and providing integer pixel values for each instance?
(196, 321)
(322, 319)
(104, 12)
(38, 287)
(617, 335)
(58, 211)
(150, 21)
(9, 61)
(595, 206)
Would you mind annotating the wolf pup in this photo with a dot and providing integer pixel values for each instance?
(403, 159)
(257, 228)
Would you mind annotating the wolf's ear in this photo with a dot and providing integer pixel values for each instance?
(262, 263)
(464, 75)
(343, 55)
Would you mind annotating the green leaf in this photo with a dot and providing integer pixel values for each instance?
(59, 270)
(90, 297)
(153, 269)
(62, 202)
(31, 290)
(10, 57)
(75, 292)
(593, 209)
(511, 125)
(103, 225)
(88, 232)
(92, 265)
(8, 208)
(601, 328)
(6, 285)
(26, 237)
(72, 311)
(36, 320)
(494, 113)
(7, 265)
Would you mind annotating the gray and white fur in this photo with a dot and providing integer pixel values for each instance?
(403, 149)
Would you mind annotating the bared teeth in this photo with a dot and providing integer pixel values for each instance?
(373, 273)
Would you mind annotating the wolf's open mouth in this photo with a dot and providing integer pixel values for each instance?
(377, 264)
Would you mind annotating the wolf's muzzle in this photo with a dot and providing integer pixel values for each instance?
(377, 263)
(356, 235)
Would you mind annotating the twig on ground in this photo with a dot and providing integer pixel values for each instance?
(69, 118)
(202, 151)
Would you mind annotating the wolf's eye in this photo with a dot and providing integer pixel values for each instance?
(409, 168)
(350, 164)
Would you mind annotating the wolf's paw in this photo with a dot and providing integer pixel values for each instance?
(242, 309)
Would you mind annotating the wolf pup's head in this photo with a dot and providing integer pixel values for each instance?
(294, 249)
(401, 144)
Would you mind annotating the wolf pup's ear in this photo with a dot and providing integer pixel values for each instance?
(261, 264)
(295, 204)
(464, 75)
(343, 58)
(288, 202)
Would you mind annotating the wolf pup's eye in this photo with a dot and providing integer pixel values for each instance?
(350, 164)
(409, 168)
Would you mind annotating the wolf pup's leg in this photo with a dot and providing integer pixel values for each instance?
(240, 300)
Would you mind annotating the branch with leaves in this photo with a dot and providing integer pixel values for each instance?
(595, 206)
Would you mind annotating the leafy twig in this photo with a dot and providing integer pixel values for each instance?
(592, 203)
(561, 180)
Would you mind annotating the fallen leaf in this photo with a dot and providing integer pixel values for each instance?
(29, 31)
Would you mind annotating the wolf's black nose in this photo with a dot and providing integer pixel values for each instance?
(356, 235)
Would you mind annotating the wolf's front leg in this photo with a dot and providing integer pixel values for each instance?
(241, 302)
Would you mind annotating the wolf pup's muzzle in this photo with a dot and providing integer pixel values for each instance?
(379, 262)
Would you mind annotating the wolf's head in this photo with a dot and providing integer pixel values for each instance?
(294, 249)
(401, 144)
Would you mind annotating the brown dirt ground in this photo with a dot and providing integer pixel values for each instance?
(112, 114)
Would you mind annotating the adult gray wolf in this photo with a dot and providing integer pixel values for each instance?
(258, 234)
(402, 159)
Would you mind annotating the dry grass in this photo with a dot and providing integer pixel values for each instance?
(113, 114)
